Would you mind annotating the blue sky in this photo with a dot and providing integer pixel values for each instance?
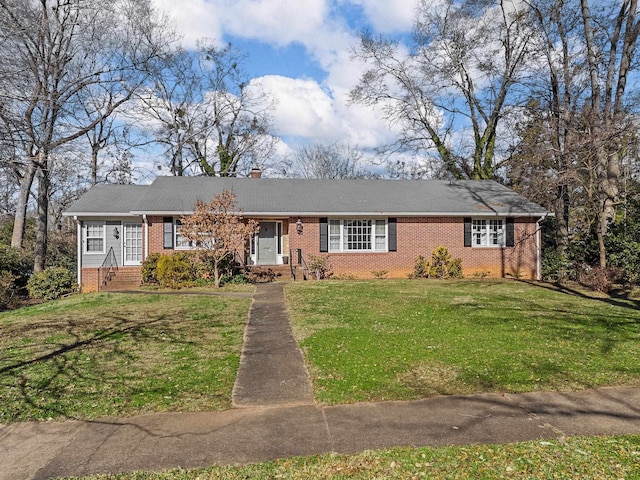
(299, 52)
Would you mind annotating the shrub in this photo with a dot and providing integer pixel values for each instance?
(51, 283)
(177, 270)
(597, 278)
(319, 266)
(238, 279)
(17, 262)
(379, 274)
(421, 268)
(150, 269)
(8, 291)
(441, 265)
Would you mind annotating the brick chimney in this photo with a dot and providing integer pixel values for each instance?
(256, 172)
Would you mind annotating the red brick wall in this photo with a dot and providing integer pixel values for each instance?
(416, 236)
(89, 280)
(156, 235)
(420, 236)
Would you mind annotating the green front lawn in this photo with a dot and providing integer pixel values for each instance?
(387, 339)
(95, 355)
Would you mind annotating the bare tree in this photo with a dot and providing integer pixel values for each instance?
(218, 230)
(65, 49)
(330, 161)
(578, 126)
(610, 37)
(450, 91)
(212, 120)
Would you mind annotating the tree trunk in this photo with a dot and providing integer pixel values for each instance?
(42, 221)
(20, 219)
(562, 223)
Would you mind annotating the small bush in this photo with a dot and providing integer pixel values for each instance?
(17, 262)
(177, 270)
(441, 265)
(421, 268)
(51, 283)
(150, 269)
(379, 274)
(319, 266)
(597, 278)
(238, 279)
(8, 290)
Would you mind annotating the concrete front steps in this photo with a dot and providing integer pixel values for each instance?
(268, 272)
(123, 279)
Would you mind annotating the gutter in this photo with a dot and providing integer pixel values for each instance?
(359, 214)
(539, 245)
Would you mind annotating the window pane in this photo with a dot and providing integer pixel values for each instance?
(94, 237)
(357, 234)
(381, 235)
(94, 244)
(495, 232)
(479, 231)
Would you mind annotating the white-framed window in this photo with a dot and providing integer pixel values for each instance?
(180, 242)
(357, 235)
(487, 233)
(94, 237)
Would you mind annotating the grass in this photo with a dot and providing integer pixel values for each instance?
(95, 355)
(572, 458)
(388, 339)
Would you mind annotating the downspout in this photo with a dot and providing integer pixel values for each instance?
(79, 251)
(146, 235)
(539, 249)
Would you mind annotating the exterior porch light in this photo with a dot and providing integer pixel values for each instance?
(299, 226)
(116, 233)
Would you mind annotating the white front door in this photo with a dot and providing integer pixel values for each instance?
(132, 243)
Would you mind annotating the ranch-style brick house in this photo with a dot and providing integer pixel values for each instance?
(364, 226)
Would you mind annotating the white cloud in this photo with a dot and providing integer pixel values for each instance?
(303, 109)
(307, 111)
(389, 17)
(277, 21)
(194, 19)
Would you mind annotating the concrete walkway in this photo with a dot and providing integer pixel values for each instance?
(278, 419)
(272, 370)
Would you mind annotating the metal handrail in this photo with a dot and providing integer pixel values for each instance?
(108, 268)
(300, 262)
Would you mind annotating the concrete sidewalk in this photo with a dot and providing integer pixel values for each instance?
(275, 417)
(154, 442)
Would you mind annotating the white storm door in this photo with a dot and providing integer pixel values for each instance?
(132, 244)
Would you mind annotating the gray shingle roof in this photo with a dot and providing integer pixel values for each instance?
(108, 200)
(293, 197)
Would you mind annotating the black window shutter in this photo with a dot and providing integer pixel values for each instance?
(167, 241)
(324, 235)
(467, 232)
(510, 234)
(392, 225)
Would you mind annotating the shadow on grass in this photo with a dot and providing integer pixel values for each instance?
(616, 301)
(84, 368)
